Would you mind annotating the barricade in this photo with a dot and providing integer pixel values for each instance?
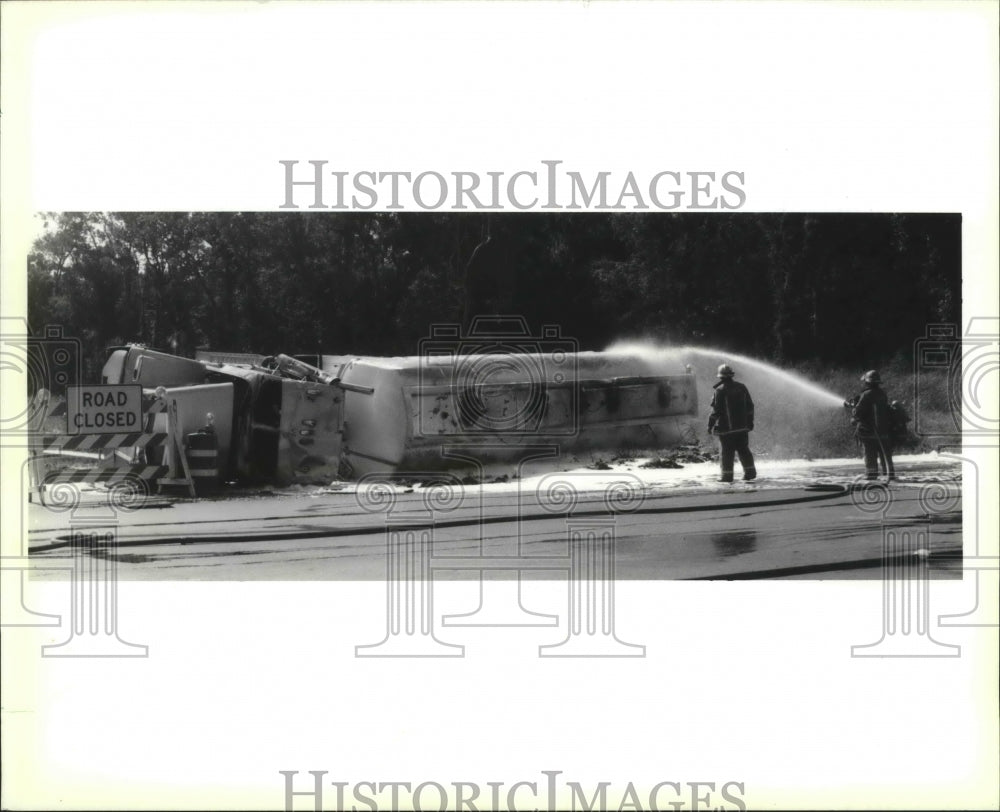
(203, 460)
(115, 458)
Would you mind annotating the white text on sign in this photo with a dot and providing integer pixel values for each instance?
(103, 409)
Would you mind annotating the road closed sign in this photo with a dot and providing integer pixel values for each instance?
(103, 409)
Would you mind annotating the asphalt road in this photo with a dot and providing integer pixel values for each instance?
(787, 526)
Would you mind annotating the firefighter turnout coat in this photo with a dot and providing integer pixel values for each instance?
(732, 408)
(872, 415)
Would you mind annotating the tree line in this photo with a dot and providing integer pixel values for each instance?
(841, 289)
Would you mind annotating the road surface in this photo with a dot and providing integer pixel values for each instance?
(801, 520)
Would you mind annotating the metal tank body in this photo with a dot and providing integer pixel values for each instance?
(497, 404)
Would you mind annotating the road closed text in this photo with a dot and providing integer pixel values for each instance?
(98, 409)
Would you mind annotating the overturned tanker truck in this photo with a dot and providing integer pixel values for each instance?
(307, 419)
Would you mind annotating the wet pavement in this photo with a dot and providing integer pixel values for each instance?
(801, 519)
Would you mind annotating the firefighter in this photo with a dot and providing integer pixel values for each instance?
(873, 421)
(732, 421)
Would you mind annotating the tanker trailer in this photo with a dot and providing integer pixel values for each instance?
(291, 421)
(406, 413)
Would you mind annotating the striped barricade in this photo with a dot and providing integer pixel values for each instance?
(110, 470)
(100, 442)
(116, 457)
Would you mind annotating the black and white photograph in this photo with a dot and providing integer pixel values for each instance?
(496, 375)
(499, 406)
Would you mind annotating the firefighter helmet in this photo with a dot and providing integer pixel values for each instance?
(726, 371)
(871, 376)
